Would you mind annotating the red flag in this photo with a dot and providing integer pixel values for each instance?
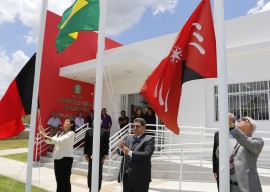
(17, 101)
(193, 56)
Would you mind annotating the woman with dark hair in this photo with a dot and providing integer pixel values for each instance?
(63, 143)
(150, 118)
(138, 114)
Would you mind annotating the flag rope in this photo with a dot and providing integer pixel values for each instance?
(110, 86)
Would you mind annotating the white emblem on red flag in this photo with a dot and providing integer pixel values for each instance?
(193, 56)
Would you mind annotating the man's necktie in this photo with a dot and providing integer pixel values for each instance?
(232, 168)
(135, 140)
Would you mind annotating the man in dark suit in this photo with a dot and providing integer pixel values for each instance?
(90, 119)
(88, 149)
(137, 149)
(215, 160)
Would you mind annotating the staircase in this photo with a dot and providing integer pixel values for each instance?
(176, 158)
(166, 160)
(80, 165)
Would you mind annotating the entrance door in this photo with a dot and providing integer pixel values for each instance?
(131, 102)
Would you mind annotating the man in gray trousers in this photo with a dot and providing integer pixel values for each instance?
(243, 159)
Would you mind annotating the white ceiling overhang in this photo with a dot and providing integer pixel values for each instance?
(118, 64)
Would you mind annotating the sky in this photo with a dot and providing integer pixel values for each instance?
(128, 21)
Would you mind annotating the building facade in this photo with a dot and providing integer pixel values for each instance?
(248, 62)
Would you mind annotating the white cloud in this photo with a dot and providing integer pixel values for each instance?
(266, 7)
(8, 11)
(10, 67)
(122, 14)
(261, 6)
(161, 6)
(27, 12)
(59, 6)
(30, 38)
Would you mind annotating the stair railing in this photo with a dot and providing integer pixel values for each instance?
(114, 141)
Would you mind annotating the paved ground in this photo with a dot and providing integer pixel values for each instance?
(44, 178)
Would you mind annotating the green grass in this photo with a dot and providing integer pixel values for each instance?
(13, 144)
(17, 157)
(11, 185)
(26, 119)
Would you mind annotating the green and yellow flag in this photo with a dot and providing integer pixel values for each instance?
(83, 15)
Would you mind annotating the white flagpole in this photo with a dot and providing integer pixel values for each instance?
(224, 184)
(35, 96)
(98, 95)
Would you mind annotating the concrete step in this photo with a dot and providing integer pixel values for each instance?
(78, 171)
(81, 165)
(79, 151)
(110, 174)
(105, 176)
(78, 158)
(45, 159)
(162, 168)
(165, 166)
(115, 163)
(189, 172)
(48, 165)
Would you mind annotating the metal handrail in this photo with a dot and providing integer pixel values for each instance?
(195, 146)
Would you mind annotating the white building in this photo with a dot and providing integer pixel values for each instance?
(248, 62)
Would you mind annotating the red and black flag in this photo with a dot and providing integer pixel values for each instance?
(17, 101)
(193, 56)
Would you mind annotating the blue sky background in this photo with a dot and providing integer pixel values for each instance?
(153, 26)
(128, 21)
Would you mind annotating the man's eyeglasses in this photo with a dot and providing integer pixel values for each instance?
(245, 119)
(136, 126)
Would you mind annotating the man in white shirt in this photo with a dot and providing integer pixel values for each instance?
(79, 121)
(54, 124)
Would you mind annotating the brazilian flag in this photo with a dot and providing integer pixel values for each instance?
(82, 15)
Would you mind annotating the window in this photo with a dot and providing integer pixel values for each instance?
(247, 99)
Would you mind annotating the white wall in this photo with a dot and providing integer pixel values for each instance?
(249, 29)
(248, 67)
(247, 61)
(192, 106)
(244, 67)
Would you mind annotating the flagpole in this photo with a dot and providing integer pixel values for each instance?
(35, 96)
(98, 95)
(224, 184)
